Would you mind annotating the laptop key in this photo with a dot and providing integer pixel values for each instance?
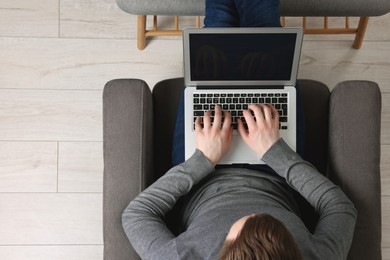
(198, 113)
(283, 100)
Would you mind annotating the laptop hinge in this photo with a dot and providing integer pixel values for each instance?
(240, 87)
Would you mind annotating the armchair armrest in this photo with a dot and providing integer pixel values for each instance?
(127, 136)
(354, 158)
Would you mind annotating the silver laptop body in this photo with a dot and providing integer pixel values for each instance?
(240, 64)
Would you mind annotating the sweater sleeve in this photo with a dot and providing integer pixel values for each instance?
(143, 221)
(337, 215)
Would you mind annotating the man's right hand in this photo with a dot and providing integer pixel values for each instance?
(263, 130)
(213, 140)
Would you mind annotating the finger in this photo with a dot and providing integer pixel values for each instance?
(229, 137)
(206, 120)
(274, 111)
(230, 134)
(258, 111)
(217, 117)
(227, 122)
(268, 115)
(198, 125)
(242, 130)
(275, 114)
(250, 121)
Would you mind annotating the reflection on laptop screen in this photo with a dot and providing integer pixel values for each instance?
(230, 57)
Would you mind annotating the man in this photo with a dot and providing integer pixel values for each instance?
(218, 204)
(239, 213)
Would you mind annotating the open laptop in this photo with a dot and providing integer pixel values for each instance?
(235, 67)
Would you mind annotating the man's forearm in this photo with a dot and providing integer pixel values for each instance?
(143, 218)
(337, 213)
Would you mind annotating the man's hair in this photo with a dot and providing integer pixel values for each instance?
(261, 238)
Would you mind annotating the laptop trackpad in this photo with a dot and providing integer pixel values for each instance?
(240, 153)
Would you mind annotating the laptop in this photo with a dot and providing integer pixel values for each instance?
(235, 67)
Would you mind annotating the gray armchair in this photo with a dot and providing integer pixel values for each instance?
(342, 141)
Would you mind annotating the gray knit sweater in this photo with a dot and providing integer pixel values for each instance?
(224, 196)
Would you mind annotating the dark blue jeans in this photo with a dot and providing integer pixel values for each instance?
(238, 13)
(242, 13)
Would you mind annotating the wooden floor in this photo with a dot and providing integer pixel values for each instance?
(55, 58)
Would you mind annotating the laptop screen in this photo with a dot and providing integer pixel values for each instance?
(231, 57)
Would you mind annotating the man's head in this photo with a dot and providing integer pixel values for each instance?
(259, 237)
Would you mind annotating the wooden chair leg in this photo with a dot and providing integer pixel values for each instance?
(361, 30)
(141, 37)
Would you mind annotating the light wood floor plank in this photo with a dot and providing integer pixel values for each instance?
(28, 167)
(385, 253)
(334, 62)
(87, 64)
(385, 169)
(80, 167)
(38, 18)
(94, 252)
(51, 219)
(96, 19)
(48, 115)
(385, 221)
(377, 29)
(385, 118)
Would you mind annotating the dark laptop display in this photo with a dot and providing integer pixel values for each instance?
(226, 57)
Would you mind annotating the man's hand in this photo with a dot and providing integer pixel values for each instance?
(214, 140)
(263, 132)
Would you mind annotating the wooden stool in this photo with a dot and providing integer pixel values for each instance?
(359, 31)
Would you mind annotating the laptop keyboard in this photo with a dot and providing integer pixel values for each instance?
(235, 103)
